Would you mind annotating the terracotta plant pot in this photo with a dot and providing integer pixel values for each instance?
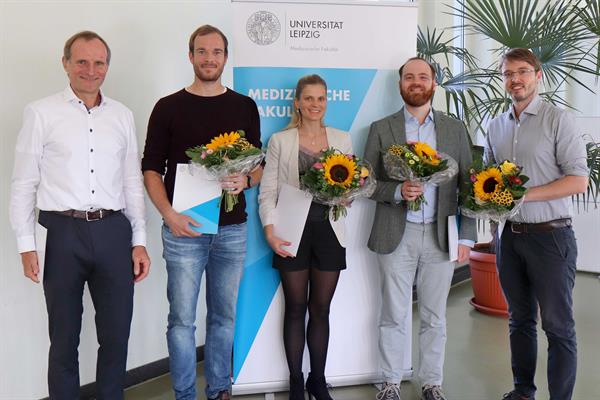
(489, 298)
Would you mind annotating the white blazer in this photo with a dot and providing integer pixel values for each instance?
(282, 167)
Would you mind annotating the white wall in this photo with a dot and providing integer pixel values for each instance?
(149, 44)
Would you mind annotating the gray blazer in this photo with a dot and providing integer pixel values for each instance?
(390, 216)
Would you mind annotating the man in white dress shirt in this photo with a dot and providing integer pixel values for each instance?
(77, 161)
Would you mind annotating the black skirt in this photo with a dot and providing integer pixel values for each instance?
(319, 247)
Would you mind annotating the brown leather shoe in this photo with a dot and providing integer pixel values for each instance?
(224, 395)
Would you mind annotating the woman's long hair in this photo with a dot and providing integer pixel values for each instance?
(314, 79)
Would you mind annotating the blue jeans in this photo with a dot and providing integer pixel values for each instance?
(538, 269)
(222, 257)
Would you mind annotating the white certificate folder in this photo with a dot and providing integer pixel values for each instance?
(453, 228)
(197, 193)
(290, 216)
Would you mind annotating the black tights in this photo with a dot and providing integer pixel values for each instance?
(295, 289)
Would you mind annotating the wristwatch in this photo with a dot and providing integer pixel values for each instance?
(248, 181)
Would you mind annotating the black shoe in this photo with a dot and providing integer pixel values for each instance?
(223, 395)
(317, 388)
(514, 395)
(297, 387)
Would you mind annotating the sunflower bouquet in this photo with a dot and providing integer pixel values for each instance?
(496, 191)
(417, 161)
(225, 155)
(337, 178)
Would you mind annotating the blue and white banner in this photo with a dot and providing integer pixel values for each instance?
(357, 48)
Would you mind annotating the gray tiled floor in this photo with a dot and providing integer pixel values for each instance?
(477, 358)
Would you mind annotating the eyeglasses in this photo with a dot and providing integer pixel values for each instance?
(508, 75)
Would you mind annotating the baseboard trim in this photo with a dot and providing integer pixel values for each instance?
(461, 274)
(137, 375)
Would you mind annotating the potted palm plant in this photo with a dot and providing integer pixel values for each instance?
(564, 35)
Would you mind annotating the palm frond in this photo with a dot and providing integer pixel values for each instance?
(563, 34)
(593, 161)
(551, 30)
(505, 21)
(589, 14)
(431, 44)
(559, 46)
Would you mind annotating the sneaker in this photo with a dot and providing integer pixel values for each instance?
(390, 391)
(513, 395)
(432, 392)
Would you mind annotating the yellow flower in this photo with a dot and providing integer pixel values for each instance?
(224, 140)
(364, 172)
(432, 161)
(508, 168)
(396, 150)
(504, 197)
(423, 150)
(339, 170)
(427, 153)
(487, 183)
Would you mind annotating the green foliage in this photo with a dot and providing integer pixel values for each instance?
(208, 156)
(563, 34)
(421, 164)
(511, 179)
(315, 178)
(337, 178)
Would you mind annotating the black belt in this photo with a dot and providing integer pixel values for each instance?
(88, 215)
(520, 227)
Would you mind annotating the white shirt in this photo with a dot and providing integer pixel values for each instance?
(68, 157)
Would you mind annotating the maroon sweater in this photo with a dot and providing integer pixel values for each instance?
(183, 120)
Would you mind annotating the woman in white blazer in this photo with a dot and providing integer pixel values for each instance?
(321, 254)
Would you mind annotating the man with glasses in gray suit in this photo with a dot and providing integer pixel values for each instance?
(410, 243)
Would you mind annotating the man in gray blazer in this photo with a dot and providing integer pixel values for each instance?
(410, 243)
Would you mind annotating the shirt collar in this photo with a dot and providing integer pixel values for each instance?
(70, 96)
(532, 108)
(408, 117)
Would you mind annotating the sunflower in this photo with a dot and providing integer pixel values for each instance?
(427, 153)
(339, 170)
(224, 140)
(432, 161)
(423, 150)
(487, 183)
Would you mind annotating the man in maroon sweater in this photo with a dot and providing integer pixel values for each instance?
(184, 119)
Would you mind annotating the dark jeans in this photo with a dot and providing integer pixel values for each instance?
(98, 253)
(539, 269)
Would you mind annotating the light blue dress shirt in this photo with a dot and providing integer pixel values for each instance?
(416, 132)
(425, 132)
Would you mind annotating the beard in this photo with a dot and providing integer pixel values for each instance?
(210, 76)
(416, 99)
(526, 93)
